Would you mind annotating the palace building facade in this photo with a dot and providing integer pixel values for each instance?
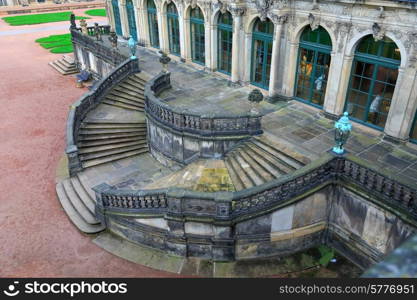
(340, 55)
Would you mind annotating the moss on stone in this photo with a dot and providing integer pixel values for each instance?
(214, 180)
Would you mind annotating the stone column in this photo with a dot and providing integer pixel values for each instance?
(246, 65)
(279, 22)
(403, 104)
(110, 14)
(337, 84)
(123, 19)
(291, 65)
(237, 24)
(207, 44)
(143, 26)
(339, 73)
(181, 23)
(162, 30)
(137, 20)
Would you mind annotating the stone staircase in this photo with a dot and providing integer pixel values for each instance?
(102, 142)
(64, 65)
(129, 94)
(260, 160)
(114, 130)
(78, 204)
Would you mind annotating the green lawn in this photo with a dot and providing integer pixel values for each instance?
(60, 43)
(101, 12)
(40, 18)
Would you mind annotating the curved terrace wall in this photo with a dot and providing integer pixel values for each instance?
(334, 200)
(182, 136)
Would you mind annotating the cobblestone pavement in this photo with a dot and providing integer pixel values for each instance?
(37, 238)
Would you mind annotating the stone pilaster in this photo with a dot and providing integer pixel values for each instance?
(236, 42)
(279, 22)
(403, 104)
(123, 19)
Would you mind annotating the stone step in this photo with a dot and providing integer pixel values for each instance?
(107, 159)
(110, 136)
(248, 169)
(269, 158)
(83, 195)
(73, 215)
(134, 88)
(107, 147)
(85, 131)
(118, 150)
(87, 144)
(237, 182)
(61, 70)
(137, 98)
(239, 171)
(125, 91)
(77, 203)
(257, 167)
(83, 179)
(90, 125)
(138, 78)
(266, 165)
(140, 85)
(122, 105)
(290, 161)
(65, 65)
(140, 104)
(69, 59)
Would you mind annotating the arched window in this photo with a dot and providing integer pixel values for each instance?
(372, 81)
(261, 53)
(153, 24)
(313, 66)
(225, 37)
(173, 29)
(131, 19)
(116, 13)
(413, 133)
(197, 36)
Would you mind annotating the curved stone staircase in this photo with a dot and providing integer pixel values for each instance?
(113, 131)
(128, 94)
(260, 160)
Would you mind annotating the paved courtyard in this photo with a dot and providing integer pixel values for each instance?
(37, 238)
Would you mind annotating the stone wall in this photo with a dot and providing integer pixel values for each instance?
(359, 229)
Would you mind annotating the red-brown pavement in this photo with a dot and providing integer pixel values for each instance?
(36, 237)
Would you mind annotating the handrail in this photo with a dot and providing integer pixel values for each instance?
(89, 101)
(185, 121)
(248, 203)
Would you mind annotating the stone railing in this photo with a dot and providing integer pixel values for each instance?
(202, 125)
(89, 101)
(99, 49)
(226, 207)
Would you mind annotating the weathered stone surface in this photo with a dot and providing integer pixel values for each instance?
(282, 219)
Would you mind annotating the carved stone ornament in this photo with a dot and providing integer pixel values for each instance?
(236, 11)
(223, 7)
(279, 20)
(193, 4)
(377, 32)
(313, 21)
(263, 7)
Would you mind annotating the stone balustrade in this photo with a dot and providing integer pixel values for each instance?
(203, 125)
(226, 207)
(99, 49)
